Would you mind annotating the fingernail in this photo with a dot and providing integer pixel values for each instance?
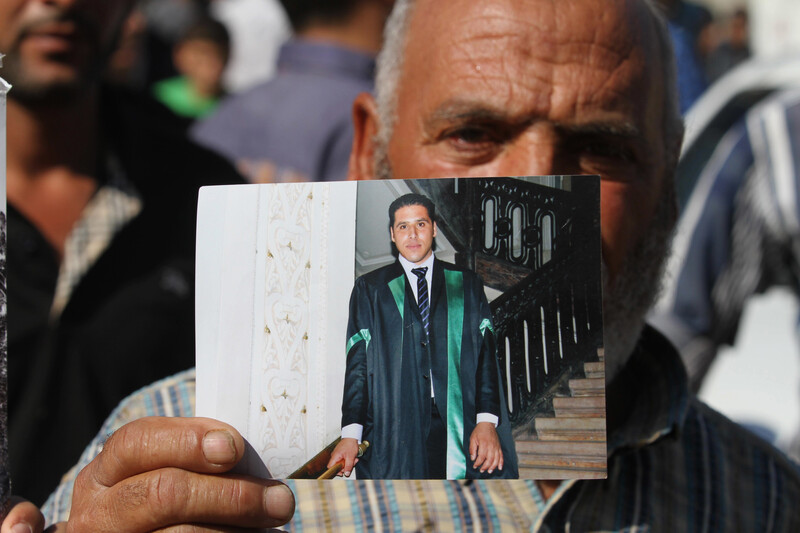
(471, 457)
(279, 501)
(218, 447)
(21, 528)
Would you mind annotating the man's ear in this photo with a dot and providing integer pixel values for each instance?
(366, 125)
(434, 230)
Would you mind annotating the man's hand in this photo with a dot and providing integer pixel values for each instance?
(159, 473)
(484, 448)
(346, 450)
(22, 516)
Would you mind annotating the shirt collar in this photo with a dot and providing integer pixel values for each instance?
(408, 265)
(300, 55)
(649, 398)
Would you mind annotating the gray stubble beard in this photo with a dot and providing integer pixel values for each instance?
(627, 301)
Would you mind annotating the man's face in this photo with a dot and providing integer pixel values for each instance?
(535, 87)
(413, 233)
(56, 47)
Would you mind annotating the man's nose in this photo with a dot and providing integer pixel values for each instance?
(536, 152)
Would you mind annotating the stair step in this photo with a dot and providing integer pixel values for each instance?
(595, 370)
(561, 461)
(580, 407)
(586, 449)
(587, 386)
(591, 429)
(561, 473)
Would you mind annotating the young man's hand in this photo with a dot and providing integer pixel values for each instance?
(347, 451)
(484, 448)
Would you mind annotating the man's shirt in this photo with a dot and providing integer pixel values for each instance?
(297, 126)
(674, 465)
(738, 235)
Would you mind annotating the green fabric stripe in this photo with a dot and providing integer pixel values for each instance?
(456, 459)
(362, 335)
(486, 324)
(398, 288)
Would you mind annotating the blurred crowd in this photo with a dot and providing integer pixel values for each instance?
(705, 47)
(102, 180)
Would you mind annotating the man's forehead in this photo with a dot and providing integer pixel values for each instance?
(529, 55)
(411, 213)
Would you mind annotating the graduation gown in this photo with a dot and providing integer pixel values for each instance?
(390, 364)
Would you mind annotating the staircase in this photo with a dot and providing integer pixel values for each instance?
(571, 444)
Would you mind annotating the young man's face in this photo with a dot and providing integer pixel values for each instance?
(413, 233)
(55, 46)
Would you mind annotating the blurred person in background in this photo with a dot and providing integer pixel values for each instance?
(102, 190)
(166, 22)
(200, 58)
(297, 126)
(738, 236)
(733, 49)
(688, 24)
(258, 29)
(126, 66)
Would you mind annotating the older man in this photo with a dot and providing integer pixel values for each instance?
(499, 88)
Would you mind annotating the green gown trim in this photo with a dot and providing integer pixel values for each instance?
(362, 335)
(398, 288)
(456, 459)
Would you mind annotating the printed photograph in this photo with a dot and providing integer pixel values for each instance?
(437, 329)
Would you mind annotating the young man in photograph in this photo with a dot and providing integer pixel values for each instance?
(421, 384)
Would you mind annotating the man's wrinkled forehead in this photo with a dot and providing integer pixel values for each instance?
(594, 51)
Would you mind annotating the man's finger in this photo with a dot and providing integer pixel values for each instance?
(206, 528)
(22, 514)
(481, 458)
(196, 444)
(487, 459)
(171, 496)
(494, 458)
(349, 461)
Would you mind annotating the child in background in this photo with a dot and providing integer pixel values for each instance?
(200, 58)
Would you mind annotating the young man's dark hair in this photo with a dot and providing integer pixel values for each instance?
(301, 13)
(412, 199)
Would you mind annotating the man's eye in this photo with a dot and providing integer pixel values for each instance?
(610, 149)
(471, 145)
(466, 136)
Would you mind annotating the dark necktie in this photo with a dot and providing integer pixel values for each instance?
(422, 297)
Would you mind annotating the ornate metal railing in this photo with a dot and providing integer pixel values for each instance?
(539, 245)
(521, 223)
(549, 322)
(546, 327)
